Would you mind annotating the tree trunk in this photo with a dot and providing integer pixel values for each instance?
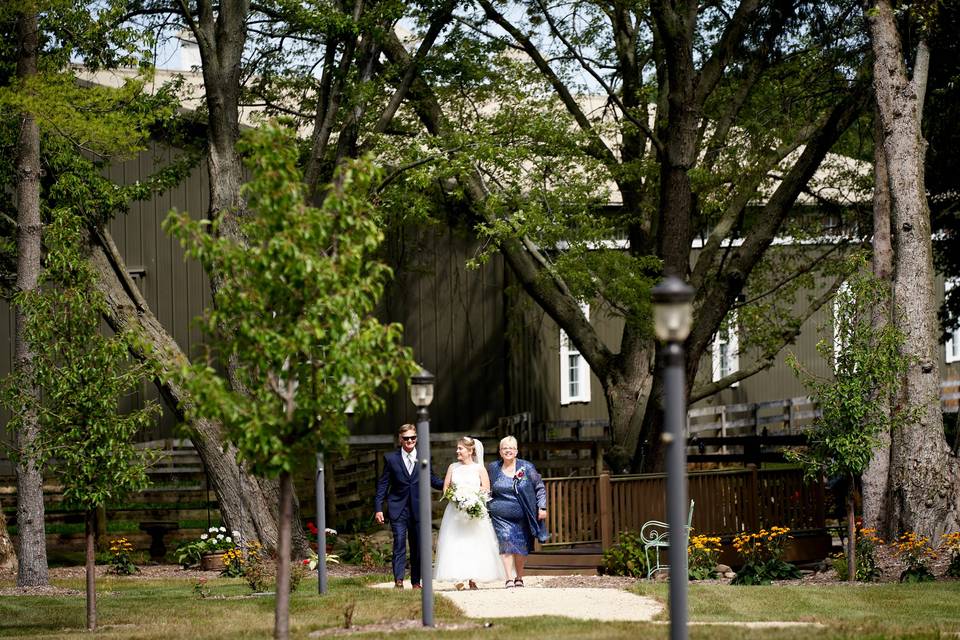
(91, 570)
(281, 628)
(247, 503)
(876, 476)
(627, 389)
(8, 557)
(923, 473)
(32, 550)
(851, 534)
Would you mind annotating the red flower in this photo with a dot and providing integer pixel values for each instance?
(520, 475)
(306, 562)
(313, 528)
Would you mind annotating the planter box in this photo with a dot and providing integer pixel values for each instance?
(212, 561)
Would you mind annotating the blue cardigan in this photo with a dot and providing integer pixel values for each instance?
(531, 493)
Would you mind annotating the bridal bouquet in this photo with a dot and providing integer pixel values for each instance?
(473, 502)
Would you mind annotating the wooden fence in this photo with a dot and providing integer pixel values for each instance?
(787, 416)
(593, 510)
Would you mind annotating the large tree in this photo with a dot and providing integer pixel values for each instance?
(47, 110)
(923, 473)
(710, 123)
(32, 549)
(238, 71)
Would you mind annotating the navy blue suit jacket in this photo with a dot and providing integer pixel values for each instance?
(398, 489)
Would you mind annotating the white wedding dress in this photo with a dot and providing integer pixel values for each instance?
(467, 547)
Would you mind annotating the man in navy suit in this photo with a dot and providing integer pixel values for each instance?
(399, 488)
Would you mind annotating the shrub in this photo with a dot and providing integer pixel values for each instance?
(762, 554)
(951, 543)
(915, 552)
(702, 553)
(364, 551)
(234, 564)
(313, 533)
(215, 539)
(121, 563)
(867, 569)
(297, 573)
(626, 557)
(257, 571)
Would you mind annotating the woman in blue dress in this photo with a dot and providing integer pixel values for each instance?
(518, 509)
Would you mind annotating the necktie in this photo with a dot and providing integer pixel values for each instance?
(410, 462)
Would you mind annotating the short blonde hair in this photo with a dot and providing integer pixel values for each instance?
(405, 428)
(508, 441)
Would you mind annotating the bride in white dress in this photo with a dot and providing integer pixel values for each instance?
(467, 548)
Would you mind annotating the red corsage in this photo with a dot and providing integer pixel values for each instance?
(519, 475)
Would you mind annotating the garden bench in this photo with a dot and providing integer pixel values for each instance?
(157, 529)
(655, 535)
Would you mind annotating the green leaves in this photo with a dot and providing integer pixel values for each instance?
(293, 314)
(868, 368)
(83, 376)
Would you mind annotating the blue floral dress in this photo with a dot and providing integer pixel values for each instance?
(509, 519)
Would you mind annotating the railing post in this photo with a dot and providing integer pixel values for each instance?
(723, 427)
(605, 498)
(754, 492)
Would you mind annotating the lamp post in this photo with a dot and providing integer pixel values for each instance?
(421, 392)
(672, 317)
(321, 498)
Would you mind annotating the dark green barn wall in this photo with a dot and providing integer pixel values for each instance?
(453, 316)
(453, 321)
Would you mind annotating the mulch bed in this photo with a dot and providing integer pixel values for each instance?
(890, 569)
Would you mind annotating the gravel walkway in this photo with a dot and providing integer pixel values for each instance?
(591, 599)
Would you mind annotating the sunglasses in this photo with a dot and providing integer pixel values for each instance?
(408, 438)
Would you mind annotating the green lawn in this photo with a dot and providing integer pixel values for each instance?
(169, 610)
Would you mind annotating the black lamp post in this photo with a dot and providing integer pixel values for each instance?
(421, 392)
(321, 505)
(672, 318)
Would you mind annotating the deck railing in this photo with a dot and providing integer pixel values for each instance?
(593, 510)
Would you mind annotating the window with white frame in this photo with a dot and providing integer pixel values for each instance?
(574, 371)
(726, 349)
(953, 343)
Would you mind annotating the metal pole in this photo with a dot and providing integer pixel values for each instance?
(425, 516)
(673, 435)
(321, 528)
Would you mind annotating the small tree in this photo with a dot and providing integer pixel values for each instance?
(292, 318)
(867, 364)
(82, 375)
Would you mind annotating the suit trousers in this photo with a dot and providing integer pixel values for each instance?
(405, 528)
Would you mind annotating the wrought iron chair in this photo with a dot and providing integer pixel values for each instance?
(655, 535)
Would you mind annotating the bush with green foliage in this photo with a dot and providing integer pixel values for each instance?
(626, 557)
(213, 540)
(866, 557)
(951, 543)
(702, 554)
(121, 562)
(762, 554)
(915, 552)
(364, 551)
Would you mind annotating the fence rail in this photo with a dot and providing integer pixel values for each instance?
(594, 510)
